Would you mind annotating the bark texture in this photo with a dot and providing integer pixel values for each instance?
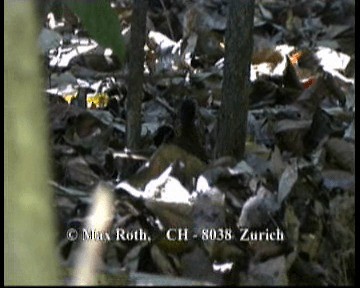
(232, 120)
(136, 73)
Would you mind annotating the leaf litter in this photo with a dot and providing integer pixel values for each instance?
(298, 171)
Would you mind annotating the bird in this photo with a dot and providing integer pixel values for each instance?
(186, 133)
(179, 145)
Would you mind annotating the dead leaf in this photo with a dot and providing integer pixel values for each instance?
(162, 262)
(277, 165)
(269, 273)
(287, 180)
(342, 153)
(338, 179)
(257, 209)
(77, 171)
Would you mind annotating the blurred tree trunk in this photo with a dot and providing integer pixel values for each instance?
(30, 254)
(232, 119)
(136, 73)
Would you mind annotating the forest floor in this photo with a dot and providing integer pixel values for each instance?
(297, 176)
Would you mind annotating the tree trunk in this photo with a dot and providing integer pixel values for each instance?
(30, 254)
(136, 73)
(232, 119)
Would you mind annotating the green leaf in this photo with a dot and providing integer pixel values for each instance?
(101, 22)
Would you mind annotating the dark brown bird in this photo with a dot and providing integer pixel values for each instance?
(187, 134)
(188, 137)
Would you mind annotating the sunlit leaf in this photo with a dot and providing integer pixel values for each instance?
(100, 100)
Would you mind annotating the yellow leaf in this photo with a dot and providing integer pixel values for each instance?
(100, 100)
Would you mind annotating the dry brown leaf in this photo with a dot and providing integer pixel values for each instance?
(342, 153)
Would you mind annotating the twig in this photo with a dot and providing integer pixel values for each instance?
(166, 12)
(130, 155)
(166, 106)
(68, 192)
